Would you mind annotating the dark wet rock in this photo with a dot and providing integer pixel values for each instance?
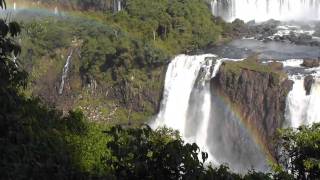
(299, 39)
(317, 33)
(310, 63)
(276, 65)
(258, 91)
(265, 29)
(317, 30)
(267, 39)
(251, 23)
(252, 29)
(308, 81)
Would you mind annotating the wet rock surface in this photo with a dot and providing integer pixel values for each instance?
(260, 96)
(308, 81)
(273, 30)
(310, 63)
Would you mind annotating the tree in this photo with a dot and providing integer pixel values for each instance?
(300, 151)
(11, 75)
(141, 153)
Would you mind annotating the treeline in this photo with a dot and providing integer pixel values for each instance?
(85, 5)
(132, 39)
(39, 142)
(123, 52)
(91, 5)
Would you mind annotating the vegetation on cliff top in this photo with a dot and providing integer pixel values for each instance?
(253, 64)
(37, 142)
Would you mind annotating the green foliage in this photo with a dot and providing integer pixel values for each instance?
(252, 64)
(300, 151)
(141, 153)
(117, 47)
(39, 142)
(11, 75)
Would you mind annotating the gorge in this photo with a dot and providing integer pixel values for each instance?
(232, 108)
(229, 98)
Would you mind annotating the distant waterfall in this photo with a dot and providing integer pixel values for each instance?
(65, 72)
(303, 109)
(262, 10)
(56, 10)
(189, 106)
(117, 5)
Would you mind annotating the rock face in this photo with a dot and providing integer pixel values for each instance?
(310, 63)
(258, 91)
(308, 81)
(130, 100)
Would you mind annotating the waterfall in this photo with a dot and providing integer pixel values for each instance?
(186, 98)
(117, 5)
(190, 106)
(303, 109)
(180, 79)
(56, 11)
(262, 10)
(65, 72)
(14, 6)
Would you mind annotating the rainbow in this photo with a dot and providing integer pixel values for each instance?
(23, 4)
(53, 9)
(74, 12)
(68, 9)
(251, 129)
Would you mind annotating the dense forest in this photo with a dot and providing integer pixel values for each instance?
(122, 54)
(38, 141)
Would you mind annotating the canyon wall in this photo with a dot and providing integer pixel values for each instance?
(258, 92)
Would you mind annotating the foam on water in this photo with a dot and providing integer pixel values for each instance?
(262, 10)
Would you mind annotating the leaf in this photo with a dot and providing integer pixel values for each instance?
(14, 28)
(3, 4)
(17, 50)
(3, 28)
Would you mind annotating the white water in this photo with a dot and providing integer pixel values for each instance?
(262, 10)
(192, 107)
(303, 109)
(180, 79)
(117, 5)
(189, 106)
(187, 80)
(56, 11)
(65, 72)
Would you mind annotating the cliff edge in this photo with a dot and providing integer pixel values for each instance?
(258, 91)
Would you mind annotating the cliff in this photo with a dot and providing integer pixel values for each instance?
(258, 91)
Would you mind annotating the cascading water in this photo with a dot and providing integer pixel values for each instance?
(186, 98)
(262, 10)
(303, 108)
(56, 11)
(201, 116)
(117, 5)
(65, 72)
(180, 79)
